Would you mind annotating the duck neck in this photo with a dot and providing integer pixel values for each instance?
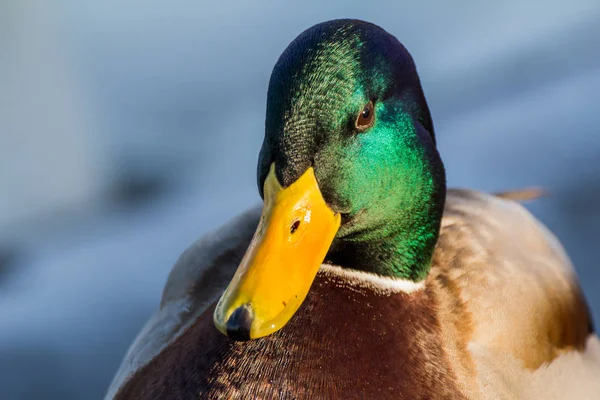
(396, 238)
(403, 253)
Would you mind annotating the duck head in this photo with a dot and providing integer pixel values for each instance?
(348, 171)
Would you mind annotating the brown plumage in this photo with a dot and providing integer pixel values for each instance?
(501, 316)
(343, 344)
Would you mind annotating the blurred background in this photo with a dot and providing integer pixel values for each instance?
(130, 128)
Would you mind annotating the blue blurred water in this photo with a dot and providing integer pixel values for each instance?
(176, 92)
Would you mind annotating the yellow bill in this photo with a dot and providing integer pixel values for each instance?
(293, 236)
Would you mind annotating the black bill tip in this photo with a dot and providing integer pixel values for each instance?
(239, 323)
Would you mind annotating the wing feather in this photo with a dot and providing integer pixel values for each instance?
(197, 280)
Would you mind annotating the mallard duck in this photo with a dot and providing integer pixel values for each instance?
(362, 276)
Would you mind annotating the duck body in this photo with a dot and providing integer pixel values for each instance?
(397, 341)
(363, 276)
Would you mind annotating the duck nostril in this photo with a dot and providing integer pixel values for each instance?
(294, 227)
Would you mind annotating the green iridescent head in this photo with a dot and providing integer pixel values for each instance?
(345, 99)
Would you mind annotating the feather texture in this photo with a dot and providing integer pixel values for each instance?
(501, 317)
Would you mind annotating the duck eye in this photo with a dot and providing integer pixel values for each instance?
(365, 117)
